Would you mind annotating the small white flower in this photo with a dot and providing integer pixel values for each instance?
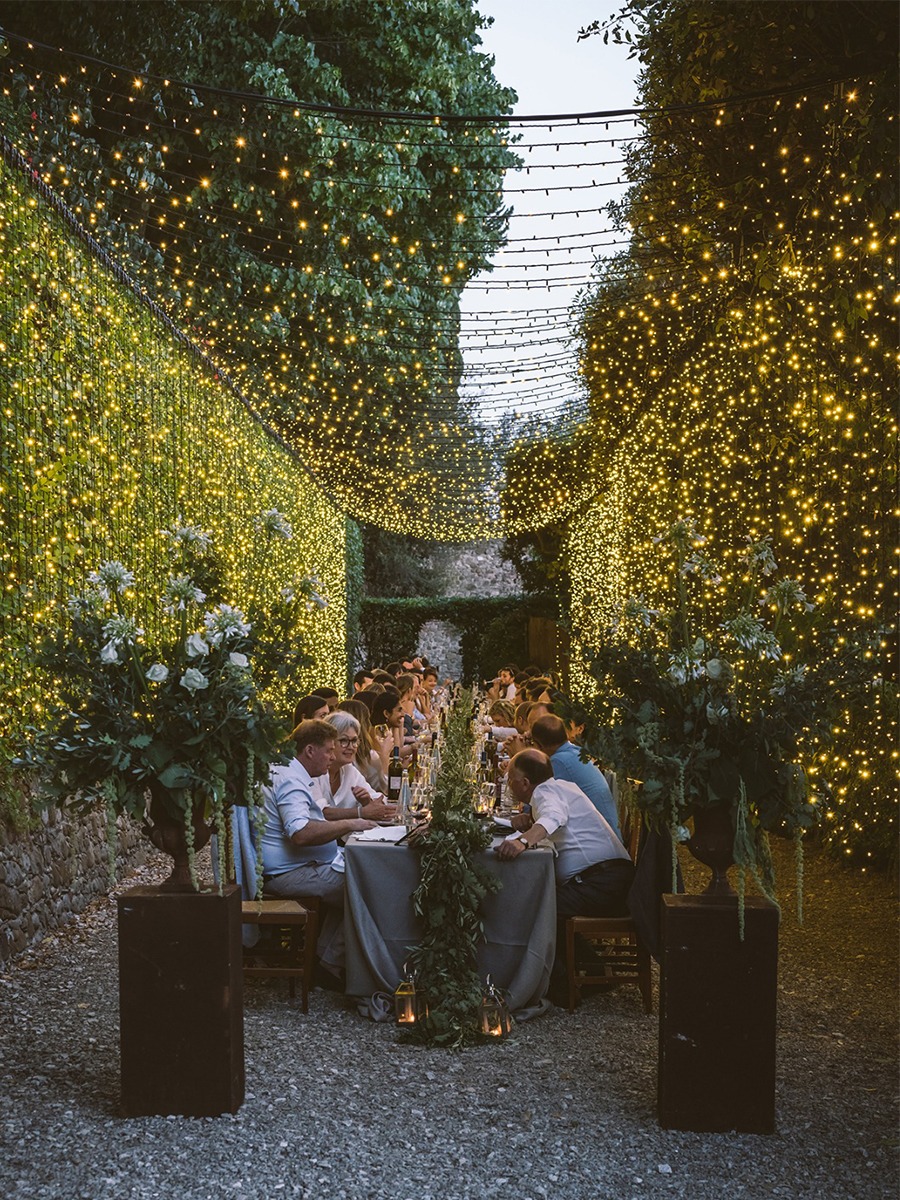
(194, 680)
(759, 556)
(786, 681)
(750, 633)
(190, 537)
(681, 833)
(716, 668)
(716, 713)
(179, 593)
(273, 523)
(238, 660)
(121, 629)
(683, 666)
(195, 646)
(225, 622)
(288, 594)
(158, 673)
(90, 603)
(111, 577)
(316, 601)
(109, 653)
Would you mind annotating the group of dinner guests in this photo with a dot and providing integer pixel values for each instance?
(336, 783)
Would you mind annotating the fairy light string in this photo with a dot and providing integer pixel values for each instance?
(704, 364)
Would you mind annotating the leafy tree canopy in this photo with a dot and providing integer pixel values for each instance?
(319, 254)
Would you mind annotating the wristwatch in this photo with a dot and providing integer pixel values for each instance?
(524, 840)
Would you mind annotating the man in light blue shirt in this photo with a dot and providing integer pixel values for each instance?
(548, 734)
(301, 856)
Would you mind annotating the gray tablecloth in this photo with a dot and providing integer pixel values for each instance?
(519, 922)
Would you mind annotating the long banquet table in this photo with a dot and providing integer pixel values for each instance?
(380, 926)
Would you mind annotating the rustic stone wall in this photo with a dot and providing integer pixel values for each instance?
(49, 874)
(475, 569)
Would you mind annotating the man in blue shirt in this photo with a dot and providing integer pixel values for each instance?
(301, 856)
(548, 734)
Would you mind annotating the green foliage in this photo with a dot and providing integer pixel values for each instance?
(741, 354)
(397, 564)
(321, 256)
(707, 703)
(449, 896)
(180, 715)
(111, 429)
(355, 588)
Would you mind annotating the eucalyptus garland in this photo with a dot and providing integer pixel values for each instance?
(449, 896)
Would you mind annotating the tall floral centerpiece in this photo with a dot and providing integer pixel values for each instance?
(710, 705)
(169, 728)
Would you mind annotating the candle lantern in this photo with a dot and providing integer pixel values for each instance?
(496, 1019)
(409, 1004)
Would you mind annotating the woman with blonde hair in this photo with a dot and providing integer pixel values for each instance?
(343, 786)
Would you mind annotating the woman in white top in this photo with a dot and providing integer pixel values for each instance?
(343, 785)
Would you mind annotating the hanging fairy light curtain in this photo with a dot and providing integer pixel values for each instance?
(409, 324)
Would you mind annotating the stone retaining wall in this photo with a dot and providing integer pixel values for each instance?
(49, 874)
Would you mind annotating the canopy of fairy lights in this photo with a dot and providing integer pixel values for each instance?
(463, 328)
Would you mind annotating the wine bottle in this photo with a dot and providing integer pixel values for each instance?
(394, 777)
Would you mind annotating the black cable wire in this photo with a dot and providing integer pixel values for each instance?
(431, 117)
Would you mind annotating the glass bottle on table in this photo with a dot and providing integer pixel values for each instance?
(395, 775)
(404, 804)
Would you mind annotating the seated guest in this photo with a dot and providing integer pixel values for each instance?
(384, 678)
(426, 694)
(548, 733)
(360, 680)
(300, 853)
(394, 669)
(412, 716)
(507, 679)
(387, 721)
(329, 695)
(310, 708)
(538, 689)
(368, 753)
(502, 716)
(593, 869)
(343, 787)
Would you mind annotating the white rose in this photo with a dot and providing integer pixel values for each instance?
(715, 668)
(195, 646)
(194, 680)
(158, 673)
(109, 653)
(238, 660)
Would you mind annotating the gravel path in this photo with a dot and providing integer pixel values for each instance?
(565, 1109)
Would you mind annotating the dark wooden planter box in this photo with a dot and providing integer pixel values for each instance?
(717, 1006)
(181, 1002)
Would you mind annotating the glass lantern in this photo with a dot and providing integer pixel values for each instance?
(409, 1004)
(496, 1019)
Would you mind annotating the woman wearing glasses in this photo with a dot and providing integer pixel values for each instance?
(343, 786)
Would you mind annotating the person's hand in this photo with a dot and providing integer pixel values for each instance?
(362, 795)
(360, 825)
(510, 848)
(521, 822)
(514, 744)
(378, 810)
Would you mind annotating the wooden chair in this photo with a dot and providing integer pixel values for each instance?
(617, 953)
(291, 952)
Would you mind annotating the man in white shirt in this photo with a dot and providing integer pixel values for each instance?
(593, 869)
(301, 856)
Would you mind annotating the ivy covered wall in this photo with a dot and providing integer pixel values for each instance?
(112, 426)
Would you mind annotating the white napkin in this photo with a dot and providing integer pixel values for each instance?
(391, 833)
(504, 821)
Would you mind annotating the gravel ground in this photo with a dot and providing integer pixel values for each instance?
(564, 1109)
